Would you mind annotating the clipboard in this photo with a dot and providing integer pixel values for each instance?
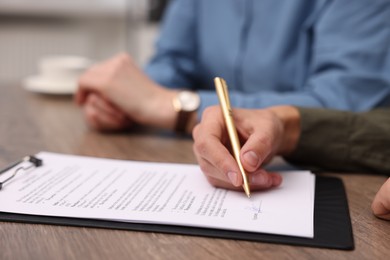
(332, 223)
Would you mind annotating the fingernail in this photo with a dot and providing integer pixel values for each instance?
(233, 178)
(259, 179)
(277, 180)
(251, 158)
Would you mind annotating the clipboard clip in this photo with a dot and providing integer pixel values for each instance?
(34, 162)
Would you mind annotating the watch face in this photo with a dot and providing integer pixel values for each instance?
(189, 100)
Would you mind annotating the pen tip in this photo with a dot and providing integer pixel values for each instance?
(247, 190)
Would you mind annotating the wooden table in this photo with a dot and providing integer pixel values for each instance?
(31, 122)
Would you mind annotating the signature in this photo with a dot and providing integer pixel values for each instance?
(254, 207)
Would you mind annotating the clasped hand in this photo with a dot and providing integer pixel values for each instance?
(115, 94)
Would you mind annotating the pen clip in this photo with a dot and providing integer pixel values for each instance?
(226, 94)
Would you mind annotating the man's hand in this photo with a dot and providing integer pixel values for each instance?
(263, 135)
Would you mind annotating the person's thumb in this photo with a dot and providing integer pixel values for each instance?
(255, 150)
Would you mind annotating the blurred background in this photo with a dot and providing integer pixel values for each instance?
(96, 29)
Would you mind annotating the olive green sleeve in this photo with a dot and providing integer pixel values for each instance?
(344, 141)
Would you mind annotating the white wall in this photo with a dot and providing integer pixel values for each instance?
(74, 7)
(29, 33)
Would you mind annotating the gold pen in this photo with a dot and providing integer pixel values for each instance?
(227, 112)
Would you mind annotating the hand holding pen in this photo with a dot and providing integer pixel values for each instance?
(214, 151)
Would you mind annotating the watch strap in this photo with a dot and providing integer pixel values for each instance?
(182, 121)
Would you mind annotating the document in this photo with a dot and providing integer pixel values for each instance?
(159, 193)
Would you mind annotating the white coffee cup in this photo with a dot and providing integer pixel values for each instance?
(63, 67)
(58, 74)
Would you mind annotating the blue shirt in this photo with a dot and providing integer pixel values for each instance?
(313, 53)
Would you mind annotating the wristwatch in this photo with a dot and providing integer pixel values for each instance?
(185, 103)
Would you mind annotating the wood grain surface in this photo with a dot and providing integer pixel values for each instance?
(31, 122)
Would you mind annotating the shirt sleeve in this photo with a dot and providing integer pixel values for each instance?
(349, 63)
(344, 141)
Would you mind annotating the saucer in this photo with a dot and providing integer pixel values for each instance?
(43, 85)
